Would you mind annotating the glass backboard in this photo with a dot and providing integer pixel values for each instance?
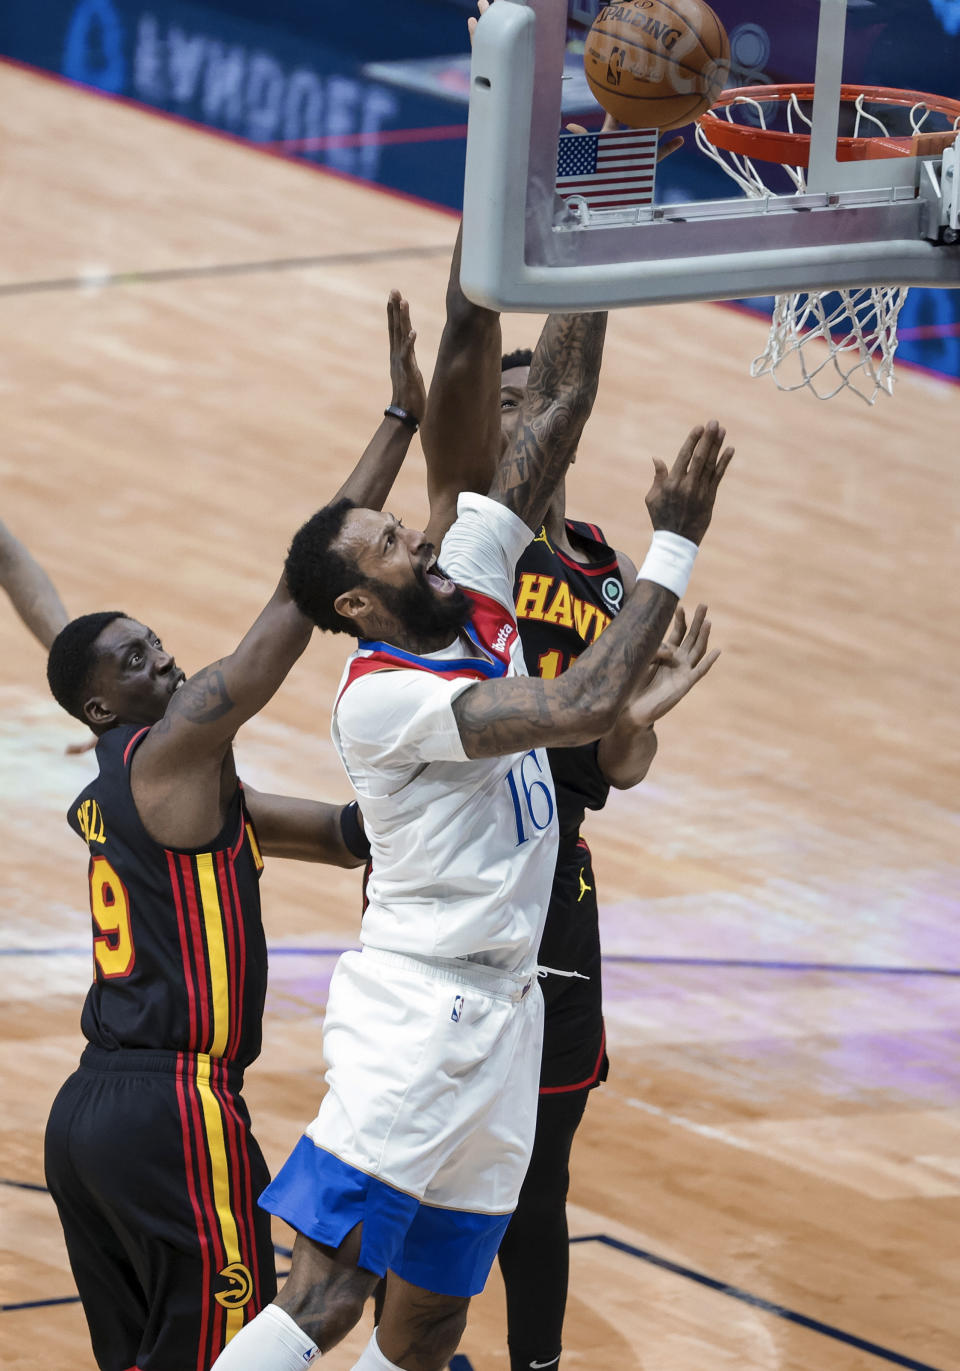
(887, 219)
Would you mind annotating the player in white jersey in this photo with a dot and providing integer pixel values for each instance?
(460, 849)
(432, 1033)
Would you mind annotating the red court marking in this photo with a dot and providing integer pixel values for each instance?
(923, 331)
(381, 139)
(930, 331)
(265, 149)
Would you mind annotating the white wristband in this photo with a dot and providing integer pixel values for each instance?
(669, 562)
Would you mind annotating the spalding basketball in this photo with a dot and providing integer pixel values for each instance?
(657, 63)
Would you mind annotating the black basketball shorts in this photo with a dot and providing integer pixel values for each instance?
(155, 1174)
(574, 1042)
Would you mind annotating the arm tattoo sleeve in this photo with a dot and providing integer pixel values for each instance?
(563, 384)
(203, 699)
(498, 717)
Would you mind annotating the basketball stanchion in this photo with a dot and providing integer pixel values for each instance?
(857, 328)
(837, 229)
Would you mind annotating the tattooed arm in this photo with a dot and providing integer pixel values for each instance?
(560, 393)
(182, 773)
(497, 717)
(205, 713)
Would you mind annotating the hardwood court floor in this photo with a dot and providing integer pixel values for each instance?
(780, 1134)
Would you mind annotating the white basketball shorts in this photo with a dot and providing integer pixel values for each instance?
(426, 1129)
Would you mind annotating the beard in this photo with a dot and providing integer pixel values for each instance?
(422, 612)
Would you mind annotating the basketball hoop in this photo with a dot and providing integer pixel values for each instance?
(859, 327)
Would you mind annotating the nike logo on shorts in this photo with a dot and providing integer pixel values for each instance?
(539, 1365)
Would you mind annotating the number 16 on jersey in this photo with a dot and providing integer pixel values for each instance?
(531, 795)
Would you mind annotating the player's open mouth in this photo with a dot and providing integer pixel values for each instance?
(437, 581)
(181, 677)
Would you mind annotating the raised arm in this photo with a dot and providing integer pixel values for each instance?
(208, 709)
(497, 717)
(461, 432)
(31, 591)
(371, 480)
(564, 374)
(307, 830)
(182, 775)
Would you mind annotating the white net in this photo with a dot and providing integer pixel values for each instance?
(823, 342)
(858, 329)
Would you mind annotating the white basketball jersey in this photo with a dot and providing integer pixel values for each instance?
(463, 851)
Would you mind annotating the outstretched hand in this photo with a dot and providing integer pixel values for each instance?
(681, 663)
(681, 499)
(409, 392)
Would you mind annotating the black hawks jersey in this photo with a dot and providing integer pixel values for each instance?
(563, 607)
(179, 953)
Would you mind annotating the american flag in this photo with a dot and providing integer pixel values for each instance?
(608, 169)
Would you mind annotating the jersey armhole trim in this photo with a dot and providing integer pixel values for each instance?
(134, 742)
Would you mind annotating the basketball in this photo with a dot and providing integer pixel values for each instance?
(657, 63)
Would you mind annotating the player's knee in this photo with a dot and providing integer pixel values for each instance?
(436, 1345)
(429, 1337)
(325, 1293)
(331, 1317)
(326, 1314)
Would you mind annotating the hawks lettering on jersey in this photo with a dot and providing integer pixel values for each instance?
(562, 608)
(551, 601)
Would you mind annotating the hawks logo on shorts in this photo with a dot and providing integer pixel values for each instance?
(239, 1286)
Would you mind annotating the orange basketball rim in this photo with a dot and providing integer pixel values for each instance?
(793, 148)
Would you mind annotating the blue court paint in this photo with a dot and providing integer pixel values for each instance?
(459, 1363)
(38, 1304)
(757, 1302)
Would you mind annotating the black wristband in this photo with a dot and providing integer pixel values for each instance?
(354, 838)
(407, 419)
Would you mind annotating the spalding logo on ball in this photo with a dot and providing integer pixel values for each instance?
(657, 64)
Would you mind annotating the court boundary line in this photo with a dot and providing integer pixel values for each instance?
(653, 1259)
(613, 958)
(160, 275)
(265, 149)
(756, 1301)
